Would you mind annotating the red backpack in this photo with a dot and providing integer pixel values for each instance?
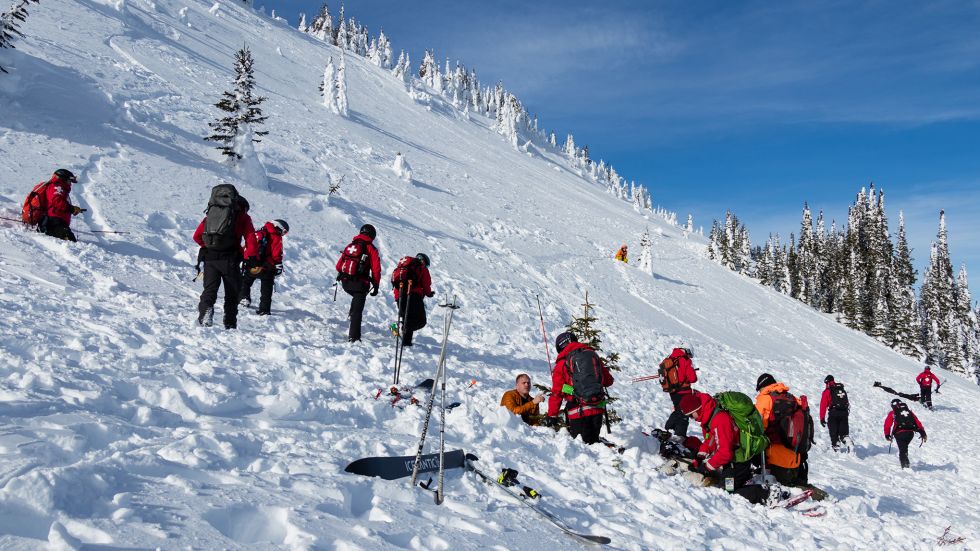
(409, 269)
(36, 204)
(353, 259)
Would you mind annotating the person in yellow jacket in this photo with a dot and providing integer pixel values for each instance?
(621, 254)
(519, 401)
(786, 465)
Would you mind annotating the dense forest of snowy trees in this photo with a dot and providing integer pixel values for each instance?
(867, 280)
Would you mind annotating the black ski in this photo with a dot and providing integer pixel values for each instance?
(391, 468)
(550, 517)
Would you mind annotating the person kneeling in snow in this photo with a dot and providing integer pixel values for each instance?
(269, 259)
(716, 454)
(519, 401)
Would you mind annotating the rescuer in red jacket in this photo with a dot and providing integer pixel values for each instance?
(224, 266)
(716, 455)
(902, 424)
(411, 309)
(582, 392)
(834, 410)
(925, 380)
(677, 376)
(359, 270)
(269, 256)
(50, 200)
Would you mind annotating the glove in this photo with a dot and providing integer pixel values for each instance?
(374, 290)
(432, 294)
(823, 423)
(75, 210)
(278, 269)
(889, 438)
(549, 422)
(697, 467)
(251, 262)
(924, 438)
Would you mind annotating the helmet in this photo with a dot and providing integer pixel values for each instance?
(828, 379)
(243, 204)
(368, 230)
(281, 225)
(424, 258)
(65, 175)
(688, 350)
(896, 402)
(764, 380)
(928, 368)
(562, 340)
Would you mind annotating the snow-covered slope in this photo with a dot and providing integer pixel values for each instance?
(122, 424)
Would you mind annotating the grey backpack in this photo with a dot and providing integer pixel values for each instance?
(219, 222)
(585, 370)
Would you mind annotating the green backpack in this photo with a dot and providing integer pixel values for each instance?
(751, 436)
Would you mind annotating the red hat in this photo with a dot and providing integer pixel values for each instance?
(689, 404)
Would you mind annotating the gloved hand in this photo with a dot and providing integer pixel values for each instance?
(889, 438)
(697, 467)
(823, 423)
(76, 210)
(702, 455)
(923, 437)
(374, 290)
(278, 269)
(549, 422)
(432, 294)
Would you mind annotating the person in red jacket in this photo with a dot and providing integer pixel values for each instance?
(269, 257)
(224, 266)
(58, 209)
(679, 376)
(367, 278)
(413, 304)
(585, 405)
(925, 380)
(902, 424)
(716, 454)
(834, 401)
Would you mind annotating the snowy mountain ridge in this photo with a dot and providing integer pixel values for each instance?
(123, 425)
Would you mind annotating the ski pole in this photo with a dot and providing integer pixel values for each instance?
(335, 291)
(403, 321)
(544, 335)
(644, 378)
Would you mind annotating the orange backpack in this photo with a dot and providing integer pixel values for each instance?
(669, 374)
(35, 206)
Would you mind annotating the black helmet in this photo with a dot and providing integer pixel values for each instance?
(65, 175)
(562, 340)
(281, 225)
(424, 258)
(828, 379)
(368, 230)
(896, 402)
(764, 380)
(243, 204)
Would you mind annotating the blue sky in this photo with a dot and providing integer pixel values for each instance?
(750, 106)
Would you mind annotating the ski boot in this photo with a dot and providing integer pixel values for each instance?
(206, 318)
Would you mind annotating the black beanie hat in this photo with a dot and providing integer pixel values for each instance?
(764, 380)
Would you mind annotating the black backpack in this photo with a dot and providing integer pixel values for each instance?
(791, 423)
(838, 398)
(585, 371)
(219, 221)
(904, 418)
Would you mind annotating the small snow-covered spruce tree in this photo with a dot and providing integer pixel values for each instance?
(903, 316)
(302, 26)
(584, 329)
(328, 87)
(322, 26)
(242, 109)
(645, 264)
(9, 23)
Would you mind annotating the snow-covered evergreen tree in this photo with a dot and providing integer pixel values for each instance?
(806, 260)
(321, 27)
(966, 322)
(302, 26)
(904, 315)
(9, 25)
(569, 146)
(328, 87)
(938, 306)
(427, 70)
(645, 263)
(341, 86)
(401, 168)
(242, 108)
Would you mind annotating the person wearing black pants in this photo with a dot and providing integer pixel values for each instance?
(267, 280)
(359, 270)
(585, 414)
(221, 267)
(586, 427)
(925, 380)
(676, 377)
(412, 302)
(902, 424)
(834, 410)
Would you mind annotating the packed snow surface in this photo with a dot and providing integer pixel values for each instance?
(124, 425)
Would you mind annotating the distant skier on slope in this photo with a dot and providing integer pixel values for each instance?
(411, 283)
(49, 208)
(716, 454)
(621, 254)
(776, 404)
(902, 424)
(226, 223)
(359, 270)
(579, 380)
(269, 257)
(834, 410)
(676, 377)
(925, 380)
(519, 401)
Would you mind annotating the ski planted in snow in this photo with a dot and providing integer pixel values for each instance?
(392, 468)
(526, 500)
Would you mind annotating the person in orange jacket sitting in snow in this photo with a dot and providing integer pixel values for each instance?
(783, 463)
(519, 401)
(621, 254)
